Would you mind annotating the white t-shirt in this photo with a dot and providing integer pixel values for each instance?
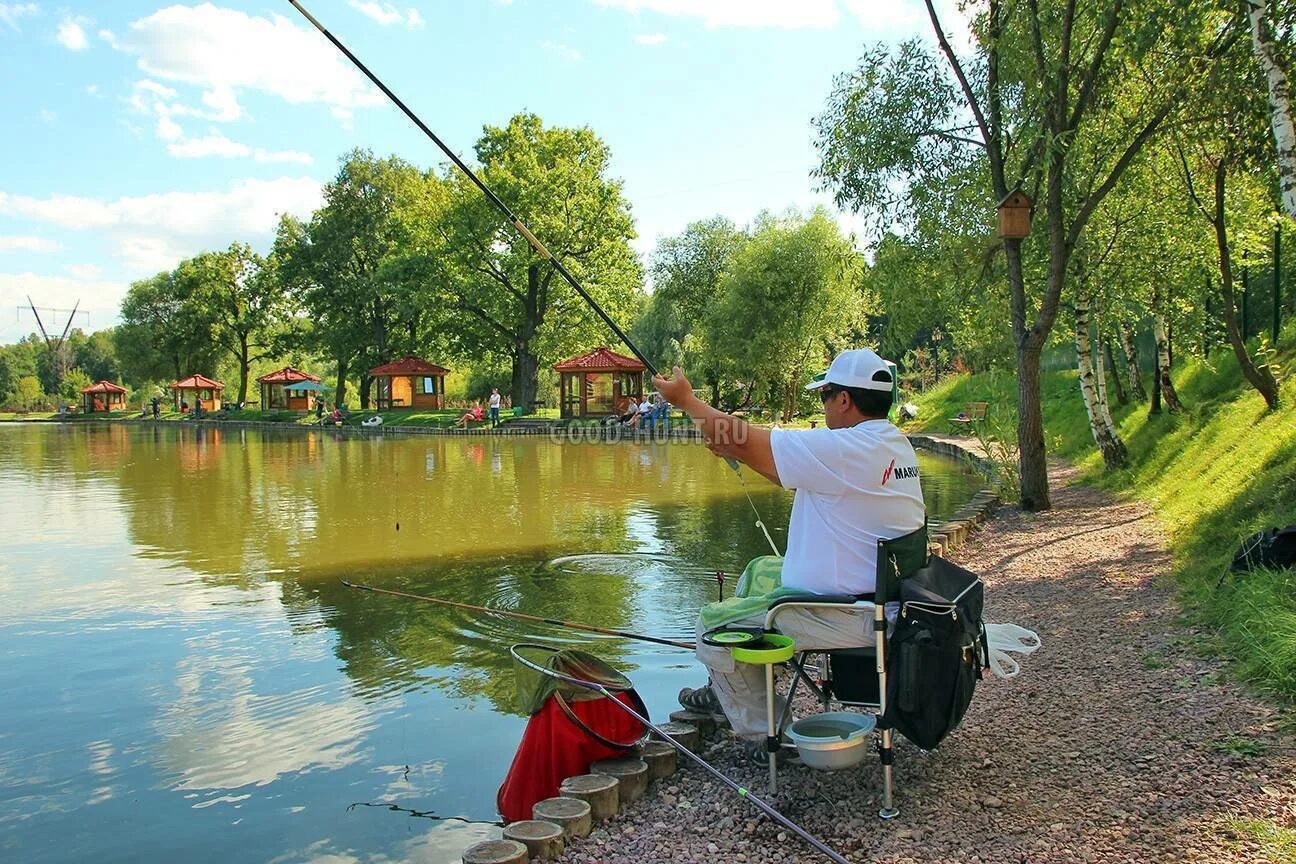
(854, 486)
(645, 407)
(495, 400)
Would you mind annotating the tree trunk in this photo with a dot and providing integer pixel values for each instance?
(339, 396)
(366, 388)
(1109, 443)
(1130, 349)
(1161, 333)
(1260, 377)
(1109, 357)
(244, 363)
(1280, 100)
(1155, 407)
(525, 381)
(1030, 431)
(790, 395)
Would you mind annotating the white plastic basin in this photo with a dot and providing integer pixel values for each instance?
(832, 740)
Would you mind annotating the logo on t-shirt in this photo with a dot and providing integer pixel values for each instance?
(904, 472)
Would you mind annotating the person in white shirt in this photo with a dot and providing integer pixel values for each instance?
(494, 406)
(856, 482)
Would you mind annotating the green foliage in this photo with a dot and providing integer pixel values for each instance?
(802, 273)
(162, 333)
(27, 394)
(73, 382)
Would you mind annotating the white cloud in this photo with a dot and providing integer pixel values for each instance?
(153, 232)
(651, 38)
(84, 271)
(805, 14)
(225, 51)
(93, 90)
(71, 35)
(11, 12)
(48, 116)
(214, 144)
(386, 14)
(99, 298)
(566, 52)
(12, 242)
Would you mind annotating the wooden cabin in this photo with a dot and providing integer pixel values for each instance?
(104, 396)
(195, 389)
(276, 395)
(410, 382)
(599, 383)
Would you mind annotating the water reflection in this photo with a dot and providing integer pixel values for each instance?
(181, 656)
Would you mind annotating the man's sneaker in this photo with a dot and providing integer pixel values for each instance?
(755, 752)
(700, 699)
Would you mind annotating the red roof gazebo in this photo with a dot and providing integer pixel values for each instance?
(201, 388)
(274, 392)
(599, 383)
(410, 382)
(104, 396)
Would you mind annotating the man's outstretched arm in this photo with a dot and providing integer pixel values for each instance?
(725, 435)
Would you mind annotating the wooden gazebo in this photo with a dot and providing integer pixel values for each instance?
(410, 383)
(275, 393)
(599, 383)
(104, 396)
(198, 388)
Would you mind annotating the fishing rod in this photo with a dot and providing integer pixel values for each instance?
(743, 792)
(605, 631)
(512, 217)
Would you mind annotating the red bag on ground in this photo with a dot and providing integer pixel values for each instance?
(554, 748)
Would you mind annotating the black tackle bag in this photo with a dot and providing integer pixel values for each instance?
(1274, 549)
(936, 653)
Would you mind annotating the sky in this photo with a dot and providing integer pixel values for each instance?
(137, 134)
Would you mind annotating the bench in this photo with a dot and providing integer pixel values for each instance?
(972, 412)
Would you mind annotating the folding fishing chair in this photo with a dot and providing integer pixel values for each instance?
(854, 677)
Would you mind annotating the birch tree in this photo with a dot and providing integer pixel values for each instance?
(1264, 43)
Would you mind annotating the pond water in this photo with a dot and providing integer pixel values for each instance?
(185, 678)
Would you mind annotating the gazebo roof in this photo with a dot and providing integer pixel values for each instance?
(103, 387)
(197, 382)
(408, 366)
(287, 375)
(601, 359)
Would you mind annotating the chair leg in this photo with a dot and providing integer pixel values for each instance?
(885, 753)
(771, 741)
(887, 756)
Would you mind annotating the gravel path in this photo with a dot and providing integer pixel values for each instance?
(1118, 741)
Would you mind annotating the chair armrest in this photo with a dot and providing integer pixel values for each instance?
(836, 599)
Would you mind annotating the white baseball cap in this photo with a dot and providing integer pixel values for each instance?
(858, 367)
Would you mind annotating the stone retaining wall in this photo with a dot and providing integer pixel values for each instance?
(952, 533)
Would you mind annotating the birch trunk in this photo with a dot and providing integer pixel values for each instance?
(1137, 392)
(1109, 443)
(1280, 100)
(1162, 335)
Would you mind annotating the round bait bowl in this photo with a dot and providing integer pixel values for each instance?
(832, 741)
(770, 648)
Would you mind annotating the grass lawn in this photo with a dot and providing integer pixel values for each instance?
(1217, 472)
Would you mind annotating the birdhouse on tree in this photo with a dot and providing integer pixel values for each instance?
(1014, 215)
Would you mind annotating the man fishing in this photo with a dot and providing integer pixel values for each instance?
(856, 482)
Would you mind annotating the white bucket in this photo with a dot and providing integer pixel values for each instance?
(833, 740)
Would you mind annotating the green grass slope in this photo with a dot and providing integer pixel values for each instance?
(1220, 470)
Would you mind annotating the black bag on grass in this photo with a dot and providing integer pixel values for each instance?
(1274, 549)
(936, 653)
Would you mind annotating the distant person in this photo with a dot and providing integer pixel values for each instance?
(645, 413)
(336, 417)
(494, 406)
(157, 407)
(319, 409)
(472, 415)
(184, 405)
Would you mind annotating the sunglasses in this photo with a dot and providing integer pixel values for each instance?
(827, 393)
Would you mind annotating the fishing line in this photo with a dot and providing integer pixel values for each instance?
(605, 631)
(742, 791)
(737, 469)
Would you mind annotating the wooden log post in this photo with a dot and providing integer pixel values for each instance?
(599, 791)
(543, 840)
(631, 774)
(572, 814)
(704, 723)
(496, 852)
(661, 758)
(685, 733)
